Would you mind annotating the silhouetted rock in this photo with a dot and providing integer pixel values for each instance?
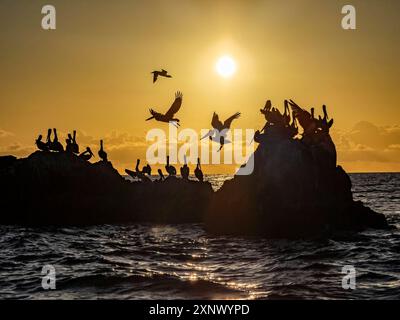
(59, 188)
(296, 190)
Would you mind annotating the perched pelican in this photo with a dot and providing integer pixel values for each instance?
(170, 169)
(220, 128)
(323, 123)
(267, 107)
(293, 130)
(131, 173)
(161, 176)
(102, 153)
(286, 114)
(40, 144)
(56, 145)
(75, 146)
(197, 172)
(147, 169)
(87, 154)
(68, 141)
(48, 139)
(304, 118)
(169, 116)
(140, 174)
(185, 170)
(162, 73)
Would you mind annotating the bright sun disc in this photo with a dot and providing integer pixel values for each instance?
(225, 66)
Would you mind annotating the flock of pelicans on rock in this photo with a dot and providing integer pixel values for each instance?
(284, 124)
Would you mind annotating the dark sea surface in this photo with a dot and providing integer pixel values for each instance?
(183, 262)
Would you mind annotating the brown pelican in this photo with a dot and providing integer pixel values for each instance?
(161, 176)
(68, 141)
(131, 173)
(140, 174)
(323, 123)
(293, 130)
(267, 107)
(286, 114)
(102, 153)
(197, 172)
(185, 170)
(304, 117)
(75, 146)
(220, 128)
(87, 154)
(162, 73)
(170, 169)
(41, 145)
(169, 116)
(56, 145)
(147, 169)
(48, 139)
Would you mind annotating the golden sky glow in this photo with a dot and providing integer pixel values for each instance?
(93, 72)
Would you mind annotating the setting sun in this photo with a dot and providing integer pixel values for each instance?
(225, 66)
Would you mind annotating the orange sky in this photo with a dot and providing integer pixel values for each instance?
(93, 72)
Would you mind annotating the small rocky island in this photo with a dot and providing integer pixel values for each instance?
(295, 190)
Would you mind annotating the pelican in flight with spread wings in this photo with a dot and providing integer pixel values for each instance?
(218, 134)
(169, 116)
(162, 73)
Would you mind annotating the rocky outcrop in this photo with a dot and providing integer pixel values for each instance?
(295, 190)
(51, 188)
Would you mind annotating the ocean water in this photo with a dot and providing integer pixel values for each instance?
(184, 262)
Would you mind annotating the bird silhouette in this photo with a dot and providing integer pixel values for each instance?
(102, 153)
(40, 144)
(48, 139)
(69, 146)
(75, 146)
(197, 172)
(170, 169)
(162, 73)
(161, 176)
(56, 145)
(305, 119)
(218, 134)
(169, 115)
(185, 170)
(86, 155)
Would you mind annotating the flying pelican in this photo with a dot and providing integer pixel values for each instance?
(87, 154)
(220, 128)
(102, 153)
(170, 169)
(197, 172)
(162, 73)
(169, 116)
(185, 170)
(41, 145)
(56, 145)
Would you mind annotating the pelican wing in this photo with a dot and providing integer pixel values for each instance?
(228, 121)
(176, 105)
(155, 75)
(216, 123)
